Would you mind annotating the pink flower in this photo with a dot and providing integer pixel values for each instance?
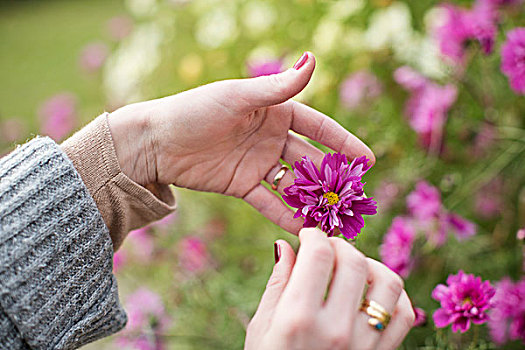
(147, 319)
(520, 235)
(265, 67)
(488, 200)
(463, 300)
(421, 317)
(12, 130)
(461, 227)
(396, 250)
(143, 245)
(428, 105)
(386, 194)
(513, 59)
(358, 88)
(331, 197)
(119, 27)
(165, 223)
(485, 140)
(193, 254)
(424, 203)
(93, 57)
(463, 25)
(119, 260)
(57, 116)
(507, 319)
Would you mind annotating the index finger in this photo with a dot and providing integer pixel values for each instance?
(321, 128)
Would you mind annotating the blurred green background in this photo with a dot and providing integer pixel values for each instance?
(143, 49)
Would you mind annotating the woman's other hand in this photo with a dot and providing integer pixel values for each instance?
(228, 136)
(297, 312)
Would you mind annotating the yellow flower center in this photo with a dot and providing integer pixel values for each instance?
(331, 197)
(467, 300)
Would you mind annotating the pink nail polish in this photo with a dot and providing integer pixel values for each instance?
(301, 61)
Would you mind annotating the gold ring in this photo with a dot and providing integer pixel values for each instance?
(379, 317)
(279, 176)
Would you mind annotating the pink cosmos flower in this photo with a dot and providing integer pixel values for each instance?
(513, 59)
(463, 300)
(93, 57)
(461, 227)
(421, 317)
(147, 319)
(359, 87)
(331, 197)
(463, 25)
(165, 223)
(485, 140)
(119, 27)
(386, 194)
(488, 200)
(193, 254)
(507, 319)
(57, 116)
(521, 234)
(143, 245)
(428, 105)
(119, 260)
(424, 203)
(396, 250)
(266, 67)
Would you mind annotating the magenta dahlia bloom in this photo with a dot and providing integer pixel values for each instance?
(465, 299)
(396, 250)
(331, 197)
(513, 59)
(507, 319)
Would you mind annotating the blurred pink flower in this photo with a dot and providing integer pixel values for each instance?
(12, 130)
(165, 223)
(424, 203)
(57, 116)
(93, 56)
(428, 105)
(513, 59)
(461, 227)
(463, 25)
(265, 67)
(396, 250)
(358, 88)
(193, 254)
(488, 199)
(485, 140)
(119, 259)
(119, 27)
(147, 319)
(507, 318)
(421, 317)
(143, 244)
(465, 299)
(520, 235)
(386, 194)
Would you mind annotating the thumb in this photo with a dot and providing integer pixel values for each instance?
(273, 89)
(277, 282)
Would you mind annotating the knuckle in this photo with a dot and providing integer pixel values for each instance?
(408, 317)
(323, 253)
(275, 281)
(278, 84)
(338, 340)
(358, 261)
(396, 284)
(298, 324)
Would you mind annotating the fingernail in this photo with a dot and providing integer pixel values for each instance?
(301, 61)
(276, 252)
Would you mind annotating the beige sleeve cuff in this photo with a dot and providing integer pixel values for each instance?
(124, 204)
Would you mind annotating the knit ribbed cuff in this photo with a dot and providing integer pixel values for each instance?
(57, 289)
(124, 204)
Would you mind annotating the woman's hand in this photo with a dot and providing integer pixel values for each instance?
(296, 312)
(228, 136)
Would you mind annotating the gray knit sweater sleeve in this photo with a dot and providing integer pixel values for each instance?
(57, 290)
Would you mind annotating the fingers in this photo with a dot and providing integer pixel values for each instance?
(313, 267)
(348, 283)
(385, 287)
(319, 127)
(401, 323)
(277, 282)
(273, 89)
(273, 208)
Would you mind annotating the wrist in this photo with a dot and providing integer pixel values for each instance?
(132, 139)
